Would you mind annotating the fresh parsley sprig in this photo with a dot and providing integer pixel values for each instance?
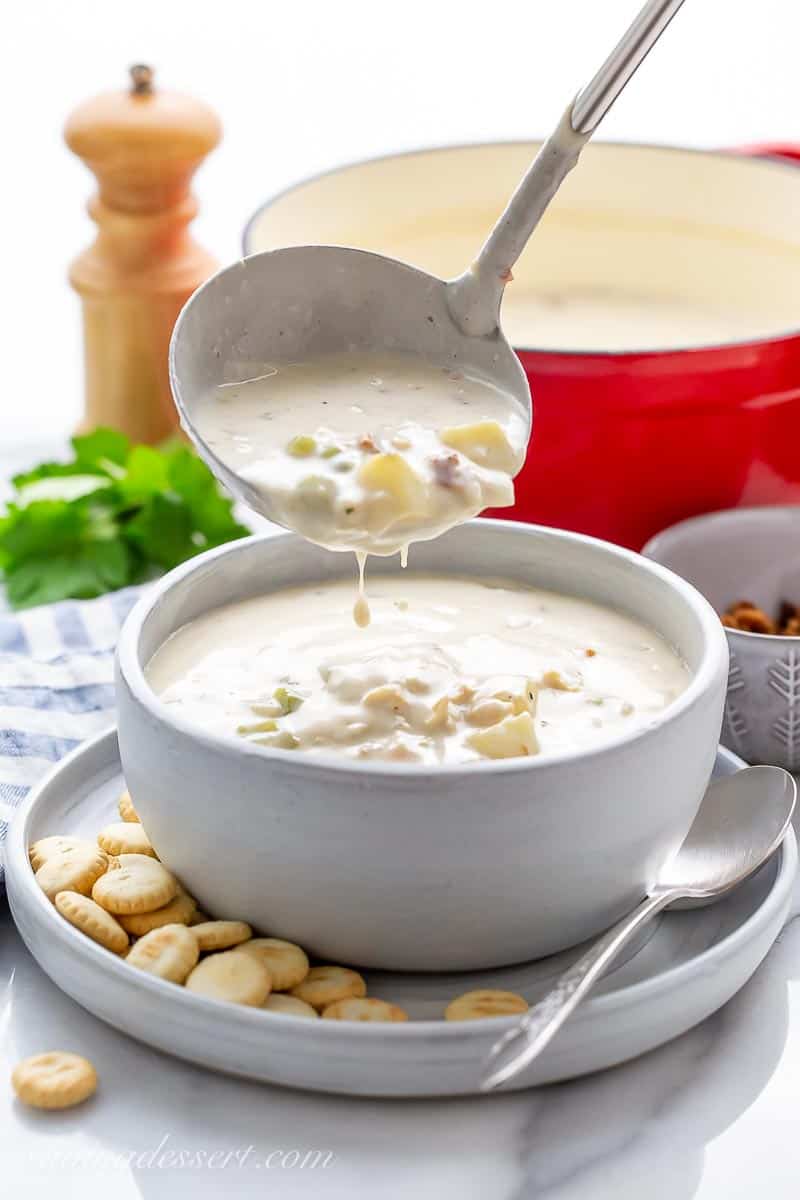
(116, 514)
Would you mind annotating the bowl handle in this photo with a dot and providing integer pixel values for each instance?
(787, 150)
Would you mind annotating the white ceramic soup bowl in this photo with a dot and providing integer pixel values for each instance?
(416, 868)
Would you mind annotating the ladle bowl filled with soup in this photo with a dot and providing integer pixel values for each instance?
(656, 312)
(493, 769)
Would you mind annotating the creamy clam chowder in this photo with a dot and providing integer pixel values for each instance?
(368, 452)
(611, 319)
(450, 670)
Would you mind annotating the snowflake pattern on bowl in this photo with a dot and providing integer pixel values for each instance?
(783, 676)
(735, 724)
(761, 720)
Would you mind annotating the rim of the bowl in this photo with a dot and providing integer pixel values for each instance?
(725, 516)
(770, 160)
(713, 666)
(46, 916)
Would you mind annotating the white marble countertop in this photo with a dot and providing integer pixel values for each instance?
(712, 1115)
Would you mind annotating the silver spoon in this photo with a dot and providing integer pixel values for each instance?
(297, 303)
(741, 822)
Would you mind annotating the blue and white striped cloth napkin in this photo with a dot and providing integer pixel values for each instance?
(56, 686)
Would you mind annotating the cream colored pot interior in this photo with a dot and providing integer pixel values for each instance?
(643, 248)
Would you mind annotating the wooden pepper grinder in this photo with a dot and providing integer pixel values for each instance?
(143, 145)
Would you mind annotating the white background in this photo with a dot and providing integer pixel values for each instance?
(304, 86)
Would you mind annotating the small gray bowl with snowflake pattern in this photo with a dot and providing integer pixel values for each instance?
(748, 554)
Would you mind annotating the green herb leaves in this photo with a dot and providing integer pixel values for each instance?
(113, 516)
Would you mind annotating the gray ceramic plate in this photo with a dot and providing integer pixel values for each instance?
(690, 966)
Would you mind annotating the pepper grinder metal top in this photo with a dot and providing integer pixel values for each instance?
(143, 145)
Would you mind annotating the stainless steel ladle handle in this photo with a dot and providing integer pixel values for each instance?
(521, 1045)
(475, 297)
(596, 99)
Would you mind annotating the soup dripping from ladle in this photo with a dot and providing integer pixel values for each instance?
(299, 303)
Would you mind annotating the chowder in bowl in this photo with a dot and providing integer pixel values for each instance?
(474, 853)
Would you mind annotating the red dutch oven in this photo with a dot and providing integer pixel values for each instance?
(656, 312)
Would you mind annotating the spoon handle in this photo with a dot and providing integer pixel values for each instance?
(475, 296)
(521, 1045)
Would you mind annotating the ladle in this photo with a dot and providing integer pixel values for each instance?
(300, 302)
